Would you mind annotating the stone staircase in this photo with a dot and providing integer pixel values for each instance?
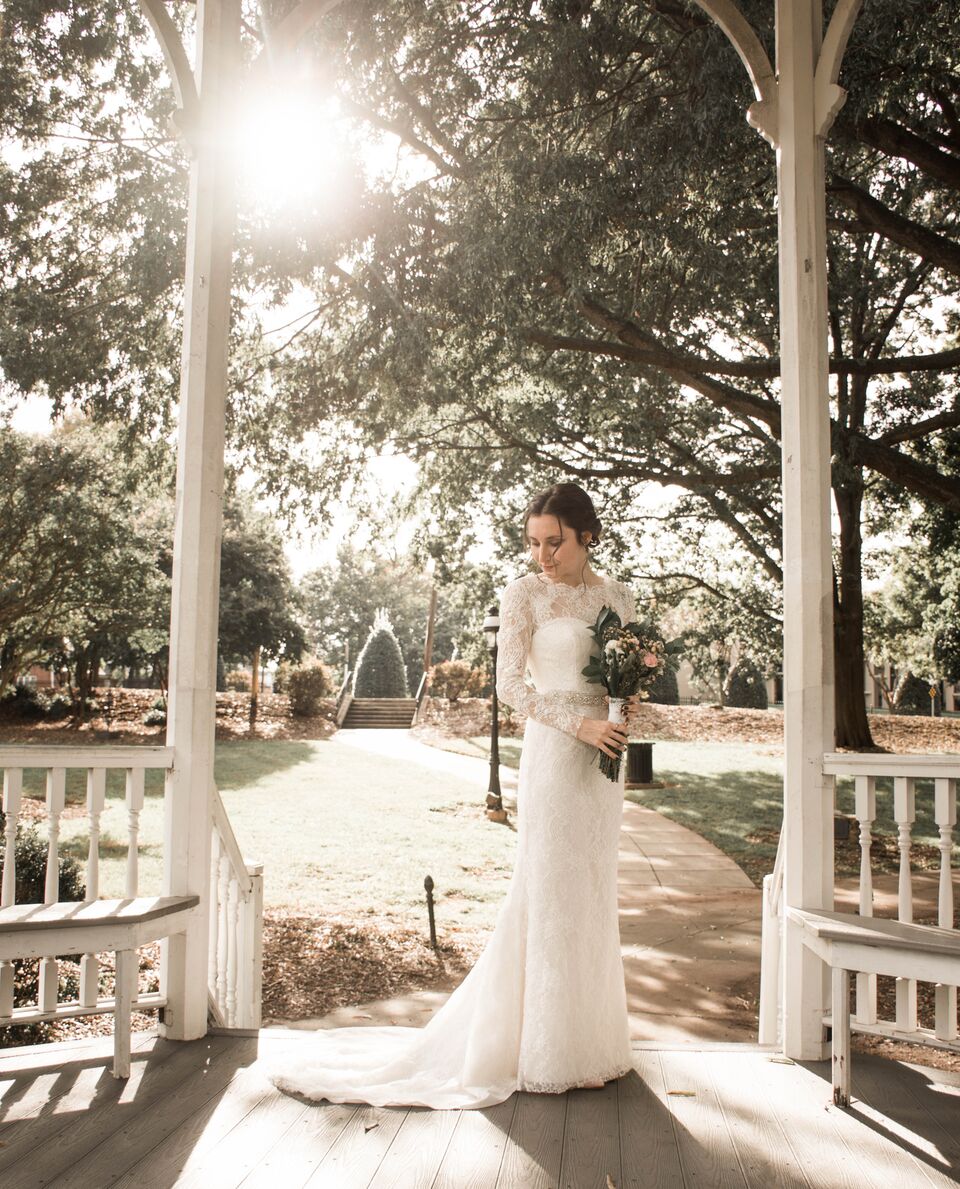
(384, 713)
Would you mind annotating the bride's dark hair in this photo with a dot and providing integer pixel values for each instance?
(569, 503)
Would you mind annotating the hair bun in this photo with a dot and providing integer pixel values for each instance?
(570, 504)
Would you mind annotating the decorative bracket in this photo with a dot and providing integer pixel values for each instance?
(187, 118)
(763, 114)
(828, 97)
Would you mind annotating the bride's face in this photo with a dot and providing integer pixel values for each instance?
(555, 549)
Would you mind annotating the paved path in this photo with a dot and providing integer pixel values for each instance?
(689, 919)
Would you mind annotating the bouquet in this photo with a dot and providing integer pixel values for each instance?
(630, 659)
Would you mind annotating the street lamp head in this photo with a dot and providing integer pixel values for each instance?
(491, 625)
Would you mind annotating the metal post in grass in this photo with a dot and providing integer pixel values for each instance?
(491, 628)
(428, 884)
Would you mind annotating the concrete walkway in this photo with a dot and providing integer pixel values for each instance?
(689, 920)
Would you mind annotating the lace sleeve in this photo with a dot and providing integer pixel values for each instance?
(513, 646)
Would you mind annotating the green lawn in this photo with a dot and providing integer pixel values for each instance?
(732, 794)
(338, 831)
(342, 831)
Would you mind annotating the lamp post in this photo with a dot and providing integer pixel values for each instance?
(491, 626)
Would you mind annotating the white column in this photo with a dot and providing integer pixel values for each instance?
(196, 559)
(808, 620)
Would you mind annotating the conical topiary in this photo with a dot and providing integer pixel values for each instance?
(381, 672)
(746, 688)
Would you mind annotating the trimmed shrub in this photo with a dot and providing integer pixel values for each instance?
(306, 686)
(31, 857)
(912, 696)
(60, 707)
(745, 688)
(24, 702)
(456, 679)
(381, 672)
(665, 691)
(155, 718)
(238, 681)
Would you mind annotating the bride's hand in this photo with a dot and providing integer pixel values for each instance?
(631, 709)
(609, 737)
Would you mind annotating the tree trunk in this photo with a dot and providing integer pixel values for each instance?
(254, 686)
(853, 726)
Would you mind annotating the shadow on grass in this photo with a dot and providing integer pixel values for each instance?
(242, 763)
(738, 811)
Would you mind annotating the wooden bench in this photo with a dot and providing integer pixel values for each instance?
(873, 945)
(96, 926)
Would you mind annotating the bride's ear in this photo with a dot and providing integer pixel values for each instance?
(586, 537)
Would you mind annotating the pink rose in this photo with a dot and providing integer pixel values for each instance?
(650, 660)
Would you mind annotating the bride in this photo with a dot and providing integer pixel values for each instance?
(544, 1007)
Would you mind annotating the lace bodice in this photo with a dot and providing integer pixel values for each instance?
(545, 629)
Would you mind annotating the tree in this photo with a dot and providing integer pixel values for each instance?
(259, 609)
(85, 516)
(340, 601)
(581, 286)
(572, 280)
(380, 669)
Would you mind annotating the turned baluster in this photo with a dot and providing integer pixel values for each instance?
(233, 926)
(865, 807)
(49, 967)
(89, 965)
(223, 932)
(135, 777)
(945, 812)
(213, 944)
(904, 812)
(12, 794)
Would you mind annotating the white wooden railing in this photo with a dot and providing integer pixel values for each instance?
(235, 957)
(904, 771)
(344, 697)
(236, 894)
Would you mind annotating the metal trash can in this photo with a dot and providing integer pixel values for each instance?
(639, 763)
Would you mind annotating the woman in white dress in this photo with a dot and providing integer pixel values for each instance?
(544, 1007)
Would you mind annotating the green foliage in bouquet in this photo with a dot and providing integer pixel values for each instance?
(746, 688)
(630, 657)
(381, 672)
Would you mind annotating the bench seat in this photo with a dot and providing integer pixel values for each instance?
(872, 945)
(96, 926)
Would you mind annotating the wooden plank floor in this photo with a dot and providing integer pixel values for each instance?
(203, 1114)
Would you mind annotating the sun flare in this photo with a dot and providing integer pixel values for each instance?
(289, 149)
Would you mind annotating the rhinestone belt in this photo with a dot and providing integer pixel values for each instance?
(574, 697)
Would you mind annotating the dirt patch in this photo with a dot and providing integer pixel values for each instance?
(120, 721)
(312, 966)
(470, 717)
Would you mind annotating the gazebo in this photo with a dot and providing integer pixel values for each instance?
(209, 913)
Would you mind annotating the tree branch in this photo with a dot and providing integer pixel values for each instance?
(875, 217)
(896, 141)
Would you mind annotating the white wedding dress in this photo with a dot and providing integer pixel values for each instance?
(544, 1007)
